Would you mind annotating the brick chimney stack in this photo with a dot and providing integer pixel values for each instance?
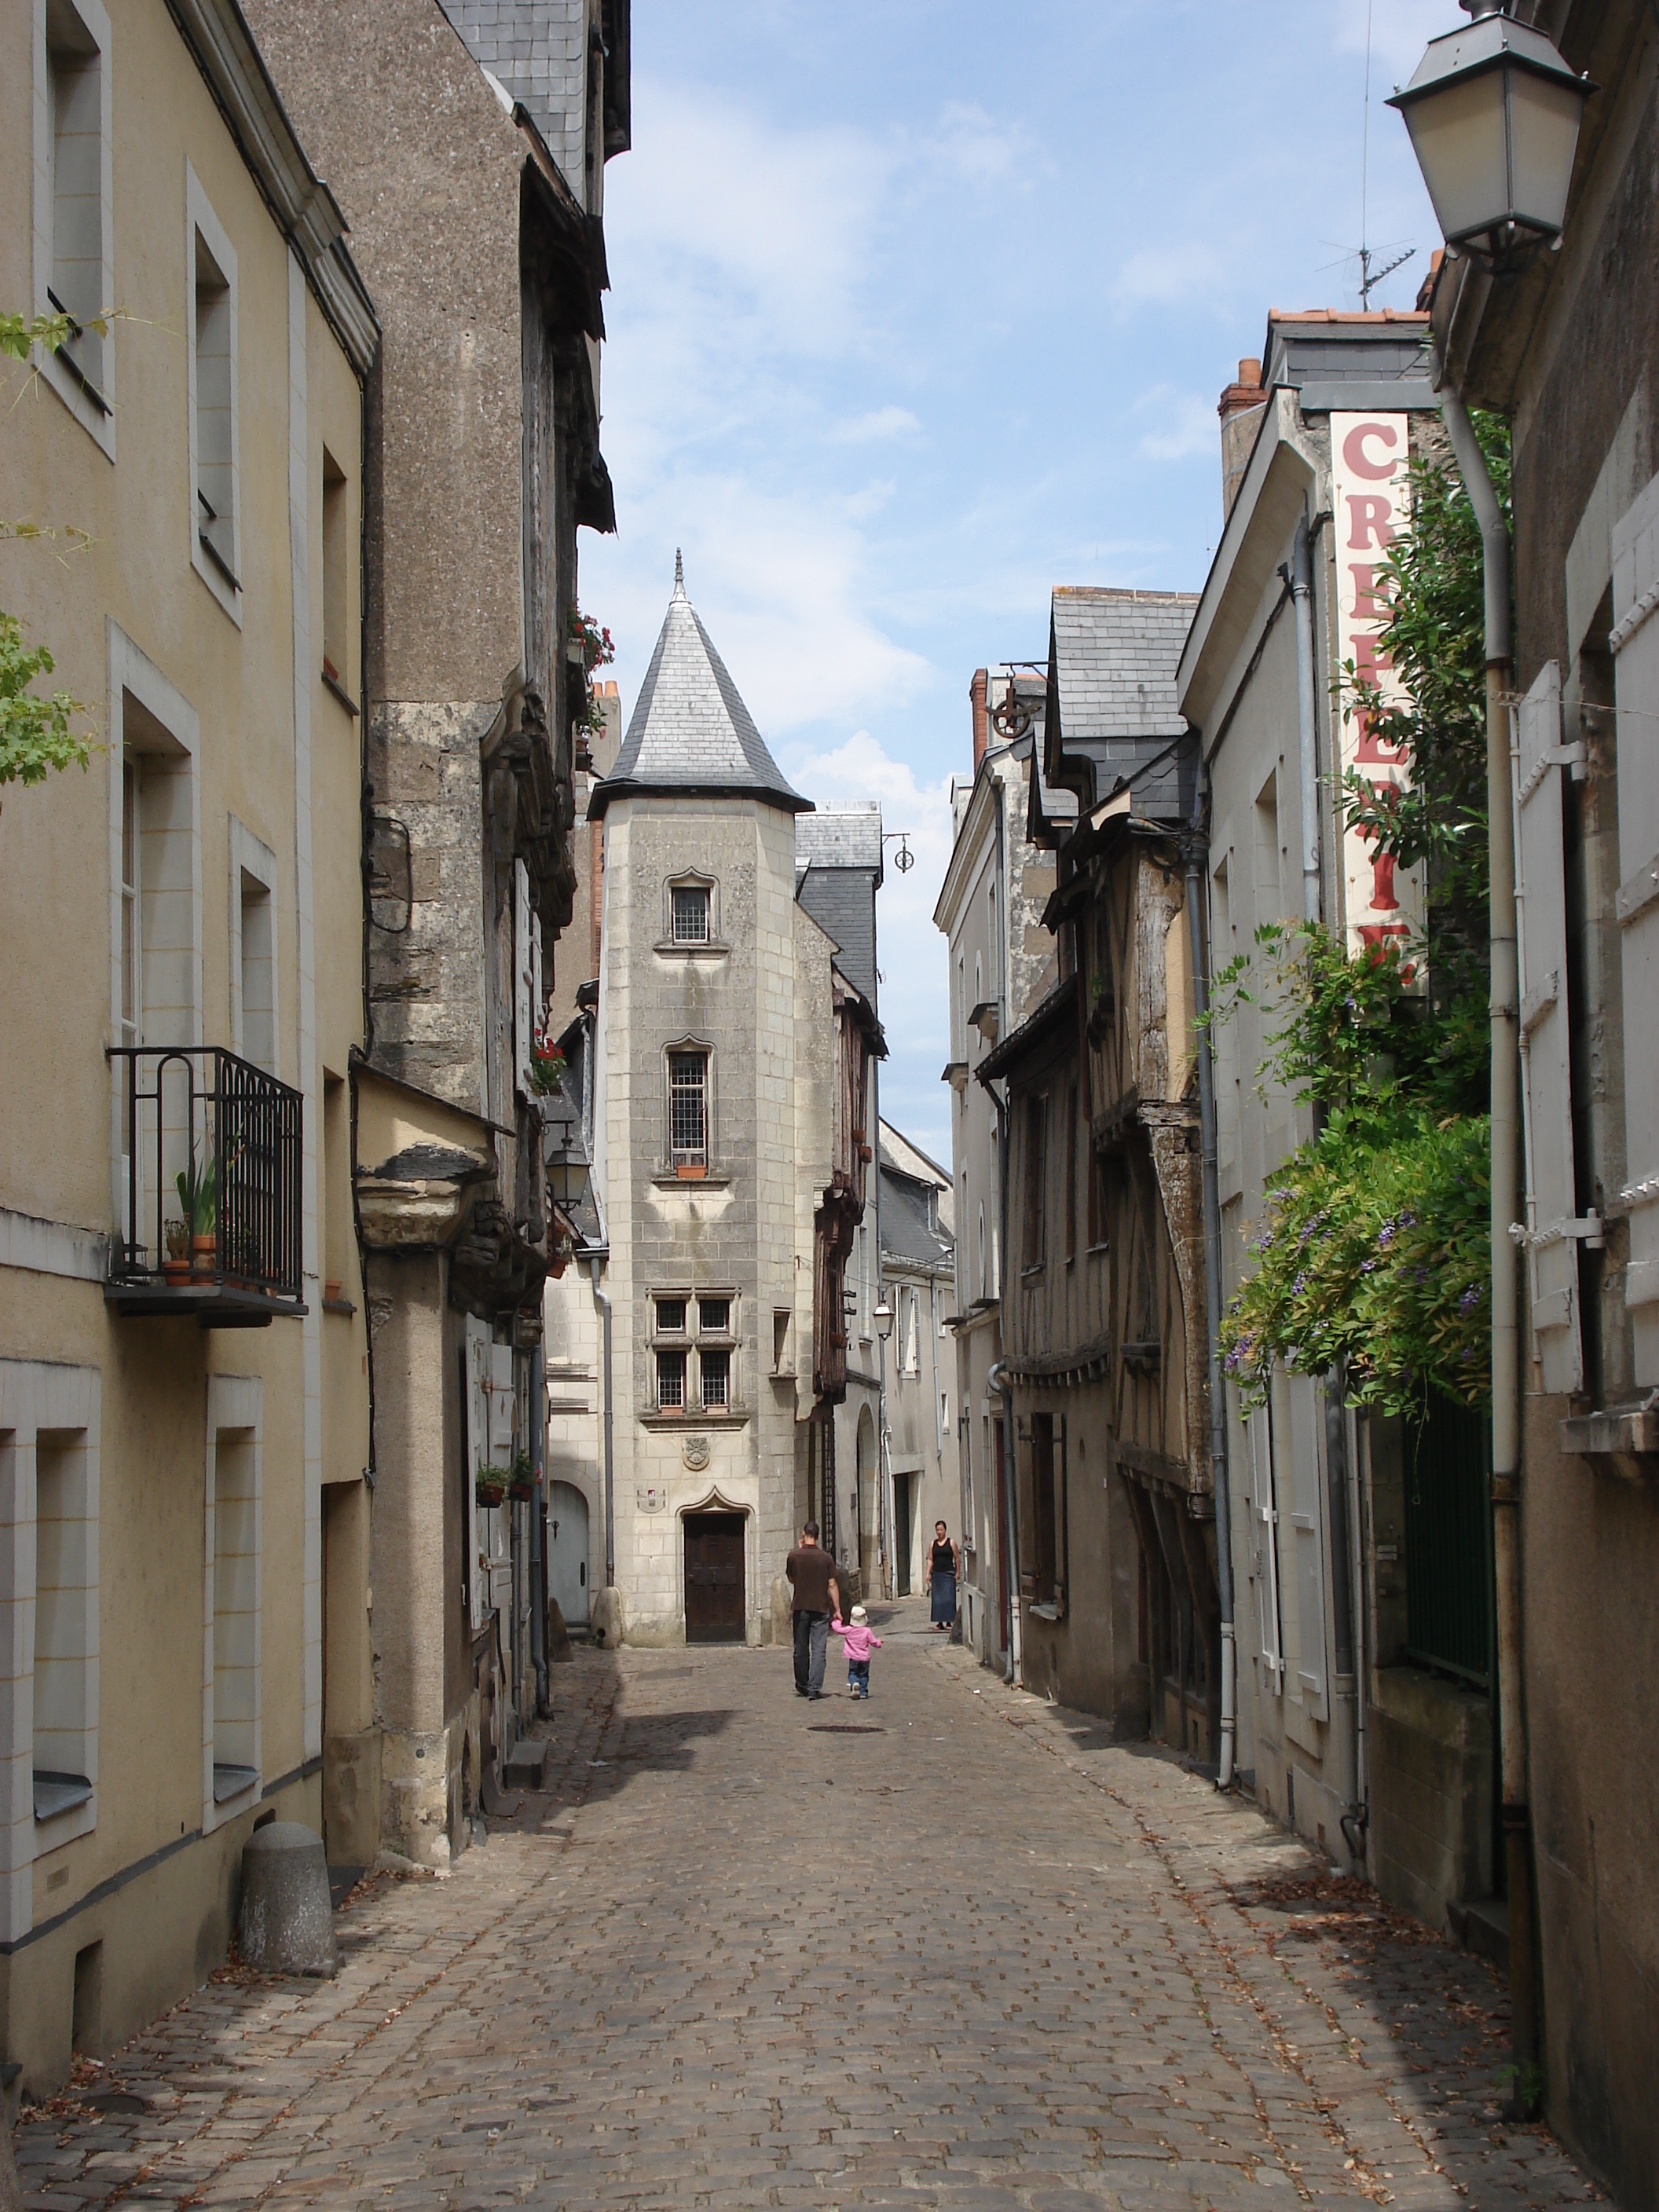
(976, 691)
(1241, 418)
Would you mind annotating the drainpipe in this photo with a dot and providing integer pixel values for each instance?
(996, 1378)
(1299, 577)
(1505, 1338)
(1197, 851)
(537, 1523)
(602, 1300)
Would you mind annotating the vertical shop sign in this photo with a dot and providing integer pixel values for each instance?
(1372, 484)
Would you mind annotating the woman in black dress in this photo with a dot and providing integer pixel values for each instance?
(942, 1567)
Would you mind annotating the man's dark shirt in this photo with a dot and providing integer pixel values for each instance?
(809, 1567)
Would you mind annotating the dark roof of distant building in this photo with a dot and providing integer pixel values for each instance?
(909, 1229)
(690, 733)
(1112, 709)
(837, 874)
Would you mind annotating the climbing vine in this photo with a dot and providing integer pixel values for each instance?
(1373, 1253)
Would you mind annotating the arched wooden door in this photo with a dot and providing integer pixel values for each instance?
(566, 1552)
(714, 1599)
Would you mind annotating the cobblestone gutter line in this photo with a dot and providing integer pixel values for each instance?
(1470, 1994)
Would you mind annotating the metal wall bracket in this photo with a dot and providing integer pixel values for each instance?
(1590, 1227)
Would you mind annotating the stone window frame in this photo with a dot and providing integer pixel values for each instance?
(218, 569)
(90, 398)
(236, 1409)
(710, 1101)
(250, 857)
(690, 1341)
(691, 948)
(40, 1397)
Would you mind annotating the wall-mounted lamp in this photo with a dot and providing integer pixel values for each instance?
(1493, 113)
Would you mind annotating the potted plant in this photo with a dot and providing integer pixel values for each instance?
(546, 1065)
(522, 1476)
(199, 1196)
(490, 1485)
(176, 1265)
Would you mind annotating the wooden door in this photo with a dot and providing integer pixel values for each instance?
(715, 1608)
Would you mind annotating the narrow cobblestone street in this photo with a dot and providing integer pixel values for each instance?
(743, 1953)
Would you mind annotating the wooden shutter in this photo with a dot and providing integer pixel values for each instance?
(1635, 647)
(1264, 1517)
(1541, 912)
(522, 975)
(477, 1441)
(1062, 1518)
(1305, 1519)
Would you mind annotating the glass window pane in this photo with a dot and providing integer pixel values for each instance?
(688, 1095)
(691, 908)
(714, 1315)
(716, 1367)
(671, 1380)
(670, 1316)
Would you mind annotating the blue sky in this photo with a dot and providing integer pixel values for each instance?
(920, 309)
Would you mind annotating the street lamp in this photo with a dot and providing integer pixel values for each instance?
(1493, 113)
(883, 1320)
(567, 1172)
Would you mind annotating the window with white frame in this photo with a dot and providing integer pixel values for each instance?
(73, 225)
(337, 572)
(49, 1484)
(211, 332)
(912, 1347)
(231, 1595)
(671, 1380)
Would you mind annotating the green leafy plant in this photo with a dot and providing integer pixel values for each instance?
(491, 1484)
(547, 1066)
(597, 648)
(199, 1193)
(35, 737)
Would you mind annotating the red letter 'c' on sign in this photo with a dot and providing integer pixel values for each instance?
(1354, 453)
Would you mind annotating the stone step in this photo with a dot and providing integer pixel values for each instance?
(526, 1763)
(1481, 1924)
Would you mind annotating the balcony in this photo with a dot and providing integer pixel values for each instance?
(208, 1162)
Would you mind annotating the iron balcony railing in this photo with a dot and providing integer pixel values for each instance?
(209, 1167)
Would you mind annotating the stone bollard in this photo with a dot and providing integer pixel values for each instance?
(609, 1623)
(288, 1917)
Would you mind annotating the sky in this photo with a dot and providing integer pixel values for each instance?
(920, 309)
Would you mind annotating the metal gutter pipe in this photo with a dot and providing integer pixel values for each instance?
(538, 1521)
(1505, 1334)
(996, 1378)
(1197, 853)
(602, 1300)
(1301, 583)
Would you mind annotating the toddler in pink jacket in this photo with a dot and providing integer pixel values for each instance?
(860, 1644)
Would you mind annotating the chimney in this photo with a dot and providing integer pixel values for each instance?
(1241, 418)
(976, 691)
(1426, 289)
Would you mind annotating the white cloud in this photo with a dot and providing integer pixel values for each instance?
(1185, 423)
(975, 146)
(880, 423)
(910, 952)
(1168, 276)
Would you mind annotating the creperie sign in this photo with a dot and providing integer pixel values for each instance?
(1371, 489)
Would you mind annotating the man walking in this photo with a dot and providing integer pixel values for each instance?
(811, 1572)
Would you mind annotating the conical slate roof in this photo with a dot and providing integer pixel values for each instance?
(690, 732)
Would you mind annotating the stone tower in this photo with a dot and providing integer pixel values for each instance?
(705, 1146)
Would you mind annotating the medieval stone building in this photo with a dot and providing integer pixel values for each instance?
(713, 1333)
(469, 145)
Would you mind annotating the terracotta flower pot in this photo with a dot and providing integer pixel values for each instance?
(176, 1271)
(204, 1255)
(332, 1291)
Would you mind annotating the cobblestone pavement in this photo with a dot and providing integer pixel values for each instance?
(950, 1948)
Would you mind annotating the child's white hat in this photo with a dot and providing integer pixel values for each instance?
(859, 1614)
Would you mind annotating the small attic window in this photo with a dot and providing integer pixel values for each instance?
(689, 905)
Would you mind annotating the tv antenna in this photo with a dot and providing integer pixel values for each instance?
(1369, 278)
